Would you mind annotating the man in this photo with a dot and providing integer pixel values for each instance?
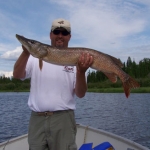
(52, 124)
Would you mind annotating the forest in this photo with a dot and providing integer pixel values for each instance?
(95, 79)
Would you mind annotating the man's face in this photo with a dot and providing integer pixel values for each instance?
(60, 38)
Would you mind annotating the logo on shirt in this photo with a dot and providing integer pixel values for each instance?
(69, 69)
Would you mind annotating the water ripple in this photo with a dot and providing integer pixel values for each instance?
(114, 113)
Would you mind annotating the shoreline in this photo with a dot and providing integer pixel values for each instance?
(100, 90)
(119, 90)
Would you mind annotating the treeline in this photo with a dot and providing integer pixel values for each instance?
(95, 79)
(12, 84)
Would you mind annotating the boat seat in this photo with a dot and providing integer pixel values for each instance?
(86, 146)
(102, 146)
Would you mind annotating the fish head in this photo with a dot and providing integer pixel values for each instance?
(35, 48)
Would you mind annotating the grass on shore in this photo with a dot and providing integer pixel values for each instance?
(119, 90)
(100, 90)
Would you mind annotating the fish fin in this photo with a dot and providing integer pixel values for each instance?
(117, 61)
(111, 76)
(40, 64)
(129, 84)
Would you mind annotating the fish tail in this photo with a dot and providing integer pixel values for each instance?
(129, 84)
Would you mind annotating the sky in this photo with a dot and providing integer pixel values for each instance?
(120, 28)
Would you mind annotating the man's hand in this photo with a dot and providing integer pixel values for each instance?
(84, 62)
(25, 50)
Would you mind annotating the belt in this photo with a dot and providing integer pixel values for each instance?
(49, 113)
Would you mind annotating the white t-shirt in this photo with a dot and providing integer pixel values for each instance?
(52, 88)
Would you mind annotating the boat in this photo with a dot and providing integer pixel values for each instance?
(86, 137)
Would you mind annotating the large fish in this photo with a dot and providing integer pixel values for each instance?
(107, 64)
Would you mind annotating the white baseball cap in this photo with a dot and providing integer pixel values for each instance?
(61, 23)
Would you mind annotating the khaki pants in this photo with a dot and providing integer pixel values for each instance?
(54, 132)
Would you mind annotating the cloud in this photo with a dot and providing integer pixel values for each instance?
(12, 55)
(99, 23)
(115, 27)
(6, 73)
(119, 28)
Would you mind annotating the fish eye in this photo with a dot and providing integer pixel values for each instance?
(32, 42)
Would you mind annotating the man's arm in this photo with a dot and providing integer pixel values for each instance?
(85, 61)
(20, 65)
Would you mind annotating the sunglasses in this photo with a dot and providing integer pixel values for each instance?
(63, 32)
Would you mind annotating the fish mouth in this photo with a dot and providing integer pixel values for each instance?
(21, 39)
(18, 36)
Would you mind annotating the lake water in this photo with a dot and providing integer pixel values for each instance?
(129, 118)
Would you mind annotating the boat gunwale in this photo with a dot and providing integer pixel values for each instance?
(13, 140)
(117, 137)
(86, 128)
